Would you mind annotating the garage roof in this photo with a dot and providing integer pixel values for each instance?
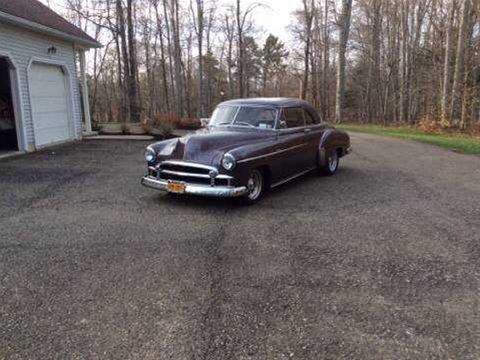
(36, 16)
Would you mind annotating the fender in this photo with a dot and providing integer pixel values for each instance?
(165, 147)
(327, 137)
(255, 151)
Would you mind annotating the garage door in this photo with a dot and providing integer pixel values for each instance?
(50, 104)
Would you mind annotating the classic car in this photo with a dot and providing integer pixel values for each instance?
(248, 147)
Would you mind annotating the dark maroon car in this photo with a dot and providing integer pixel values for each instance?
(249, 146)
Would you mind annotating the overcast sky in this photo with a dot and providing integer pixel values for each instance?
(273, 17)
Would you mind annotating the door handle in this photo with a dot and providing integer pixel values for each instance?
(308, 131)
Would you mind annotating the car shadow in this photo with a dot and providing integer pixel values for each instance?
(195, 202)
(312, 178)
(291, 188)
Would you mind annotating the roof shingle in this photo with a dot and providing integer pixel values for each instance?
(35, 11)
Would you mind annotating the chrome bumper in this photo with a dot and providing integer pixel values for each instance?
(192, 189)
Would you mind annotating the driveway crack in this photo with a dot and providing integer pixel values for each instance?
(213, 314)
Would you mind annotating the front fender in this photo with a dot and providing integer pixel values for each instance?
(164, 149)
(252, 156)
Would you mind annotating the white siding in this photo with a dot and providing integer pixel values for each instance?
(23, 46)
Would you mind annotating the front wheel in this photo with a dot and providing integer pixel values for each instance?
(332, 162)
(255, 187)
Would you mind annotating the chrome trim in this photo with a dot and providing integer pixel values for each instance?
(271, 154)
(192, 189)
(201, 176)
(187, 164)
(292, 177)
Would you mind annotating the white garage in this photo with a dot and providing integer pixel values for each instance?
(43, 84)
(52, 122)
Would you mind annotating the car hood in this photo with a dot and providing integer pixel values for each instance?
(208, 146)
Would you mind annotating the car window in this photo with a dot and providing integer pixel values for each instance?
(223, 115)
(309, 119)
(256, 117)
(293, 117)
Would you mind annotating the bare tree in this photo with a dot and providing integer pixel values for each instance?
(344, 30)
(410, 61)
(447, 70)
(198, 17)
(460, 62)
(133, 93)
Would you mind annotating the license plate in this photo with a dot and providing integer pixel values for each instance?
(176, 187)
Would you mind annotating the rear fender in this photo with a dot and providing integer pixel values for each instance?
(326, 142)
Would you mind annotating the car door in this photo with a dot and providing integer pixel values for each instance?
(292, 142)
(314, 129)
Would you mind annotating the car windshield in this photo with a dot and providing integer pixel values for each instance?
(248, 116)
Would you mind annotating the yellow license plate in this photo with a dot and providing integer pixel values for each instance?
(177, 188)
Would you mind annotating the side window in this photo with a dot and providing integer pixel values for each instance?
(309, 119)
(294, 117)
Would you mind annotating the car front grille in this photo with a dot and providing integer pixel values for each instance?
(186, 168)
(190, 173)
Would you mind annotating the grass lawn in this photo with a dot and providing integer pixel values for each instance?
(460, 143)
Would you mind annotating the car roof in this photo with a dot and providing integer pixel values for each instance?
(277, 102)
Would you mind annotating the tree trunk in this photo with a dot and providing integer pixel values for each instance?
(125, 59)
(133, 93)
(308, 18)
(460, 63)
(170, 52)
(404, 35)
(177, 53)
(326, 63)
(200, 31)
(162, 59)
(344, 31)
(230, 39)
(241, 56)
(447, 70)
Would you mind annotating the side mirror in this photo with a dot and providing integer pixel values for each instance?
(283, 124)
(204, 122)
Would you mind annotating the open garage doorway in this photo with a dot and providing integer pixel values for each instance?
(8, 131)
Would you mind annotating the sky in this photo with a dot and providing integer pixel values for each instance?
(272, 17)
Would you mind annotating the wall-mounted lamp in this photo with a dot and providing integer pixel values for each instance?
(52, 50)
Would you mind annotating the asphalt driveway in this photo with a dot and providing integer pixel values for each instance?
(379, 262)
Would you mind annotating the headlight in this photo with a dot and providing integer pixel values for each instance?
(228, 162)
(150, 155)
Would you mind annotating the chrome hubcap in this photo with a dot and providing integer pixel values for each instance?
(255, 185)
(333, 162)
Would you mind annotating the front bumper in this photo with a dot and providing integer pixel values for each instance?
(194, 189)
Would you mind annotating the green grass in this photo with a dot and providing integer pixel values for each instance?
(459, 143)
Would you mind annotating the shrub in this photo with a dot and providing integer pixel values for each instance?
(429, 126)
(175, 122)
(190, 124)
(165, 129)
(171, 119)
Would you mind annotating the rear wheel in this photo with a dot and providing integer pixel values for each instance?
(255, 187)
(332, 162)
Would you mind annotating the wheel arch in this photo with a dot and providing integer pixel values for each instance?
(325, 144)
